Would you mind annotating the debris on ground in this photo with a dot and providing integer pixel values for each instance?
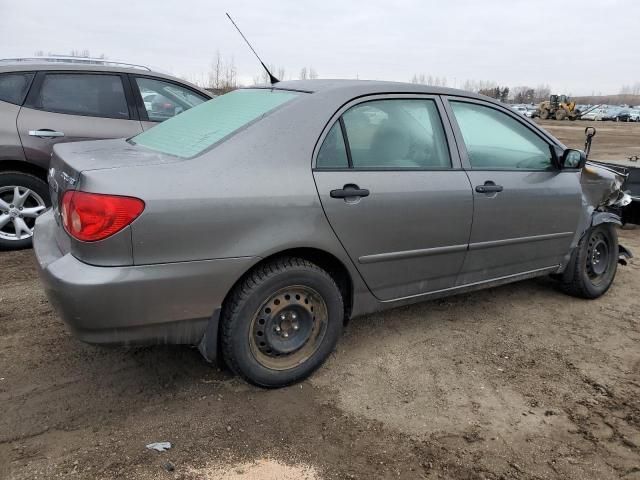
(159, 446)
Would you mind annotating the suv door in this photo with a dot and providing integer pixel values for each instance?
(73, 106)
(158, 100)
(13, 90)
(392, 188)
(525, 209)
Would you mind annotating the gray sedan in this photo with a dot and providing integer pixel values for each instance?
(256, 224)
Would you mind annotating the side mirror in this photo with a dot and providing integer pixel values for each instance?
(573, 159)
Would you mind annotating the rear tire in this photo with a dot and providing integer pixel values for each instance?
(593, 264)
(281, 322)
(544, 114)
(37, 194)
(561, 114)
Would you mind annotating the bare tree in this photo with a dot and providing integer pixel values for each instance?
(223, 75)
(80, 53)
(542, 93)
(312, 73)
(215, 74)
(303, 73)
(230, 76)
(429, 80)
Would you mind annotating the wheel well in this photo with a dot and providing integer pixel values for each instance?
(328, 262)
(22, 166)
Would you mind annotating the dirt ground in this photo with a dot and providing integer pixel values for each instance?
(516, 382)
(613, 140)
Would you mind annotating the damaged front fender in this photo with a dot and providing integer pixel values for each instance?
(602, 197)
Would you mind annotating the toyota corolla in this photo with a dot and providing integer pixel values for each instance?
(254, 225)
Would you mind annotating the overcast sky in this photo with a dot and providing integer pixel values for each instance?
(575, 46)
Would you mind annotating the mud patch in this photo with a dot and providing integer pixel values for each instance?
(264, 469)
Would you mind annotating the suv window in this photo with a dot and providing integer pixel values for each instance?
(163, 100)
(494, 140)
(83, 94)
(396, 134)
(14, 86)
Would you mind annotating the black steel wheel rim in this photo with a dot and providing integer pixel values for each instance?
(288, 328)
(598, 257)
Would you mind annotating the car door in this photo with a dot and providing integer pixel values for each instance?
(158, 100)
(13, 90)
(72, 106)
(525, 209)
(392, 188)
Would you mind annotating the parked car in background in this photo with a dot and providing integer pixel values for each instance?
(625, 115)
(634, 115)
(521, 109)
(45, 103)
(596, 114)
(614, 114)
(258, 222)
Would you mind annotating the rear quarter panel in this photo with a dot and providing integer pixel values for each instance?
(251, 196)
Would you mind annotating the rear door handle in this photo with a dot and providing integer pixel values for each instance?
(489, 187)
(45, 133)
(348, 191)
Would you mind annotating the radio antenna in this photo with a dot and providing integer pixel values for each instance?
(272, 79)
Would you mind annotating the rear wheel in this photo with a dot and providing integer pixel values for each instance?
(23, 197)
(561, 114)
(281, 322)
(544, 114)
(593, 264)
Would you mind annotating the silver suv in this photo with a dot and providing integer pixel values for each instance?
(48, 101)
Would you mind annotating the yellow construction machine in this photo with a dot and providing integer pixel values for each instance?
(558, 107)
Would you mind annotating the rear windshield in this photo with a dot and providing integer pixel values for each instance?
(190, 133)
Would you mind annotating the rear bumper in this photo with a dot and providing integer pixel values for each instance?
(161, 303)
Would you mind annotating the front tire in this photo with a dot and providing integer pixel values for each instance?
(23, 197)
(281, 322)
(593, 264)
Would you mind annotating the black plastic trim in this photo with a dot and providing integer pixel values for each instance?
(345, 139)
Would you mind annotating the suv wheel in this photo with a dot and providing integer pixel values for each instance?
(23, 197)
(281, 322)
(593, 264)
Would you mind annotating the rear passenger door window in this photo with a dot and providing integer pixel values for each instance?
(14, 87)
(396, 134)
(333, 153)
(97, 95)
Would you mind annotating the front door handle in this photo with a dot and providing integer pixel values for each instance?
(45, 133)
(489, 187)
(348, 191)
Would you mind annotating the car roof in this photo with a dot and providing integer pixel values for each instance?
(20, 66)
(368, 87)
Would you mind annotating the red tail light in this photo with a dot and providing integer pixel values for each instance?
(91, 216)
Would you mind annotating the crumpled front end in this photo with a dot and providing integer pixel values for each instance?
(602, 186)
(602, 199)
